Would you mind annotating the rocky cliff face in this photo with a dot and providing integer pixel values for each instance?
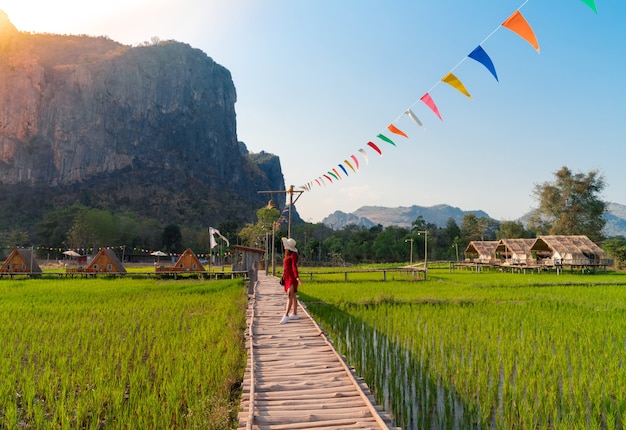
(89, 116)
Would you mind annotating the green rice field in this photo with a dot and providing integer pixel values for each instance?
(459, 350)
(484, 350)
(121, 353)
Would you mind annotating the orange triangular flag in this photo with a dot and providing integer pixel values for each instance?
(517, 24)
(392, 128)
(454, 82)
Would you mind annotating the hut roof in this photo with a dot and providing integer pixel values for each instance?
(107, 256)
(515, 246)
(21, 256)
(567, 244)
(482, 247)
(248, 249)
(188, 260)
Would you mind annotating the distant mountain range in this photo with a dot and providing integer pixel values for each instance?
(369, 216)
(615, 220)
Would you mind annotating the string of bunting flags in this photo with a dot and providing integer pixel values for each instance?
(129, 250)
(515, 23)
(124, 249)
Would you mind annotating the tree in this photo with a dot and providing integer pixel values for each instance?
(419, 224)
(477, 228)
(335, 246)
(418, 229)
(389, 245)
(452, 235)
(172, 238)
(254, 234)
(512, 230)
(616, 248)
(54, 227)
(452, 230)
(126, 227)
(229, 230)
(18, 238)
(310, 238)
(359, 244)
(147, 234)
(570, 205)
(92, 228)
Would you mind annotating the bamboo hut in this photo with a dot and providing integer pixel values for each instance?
(481, 251)
(515, 252)
(574, 251)
(21, 261)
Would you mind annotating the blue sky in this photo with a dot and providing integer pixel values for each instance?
(317, 79)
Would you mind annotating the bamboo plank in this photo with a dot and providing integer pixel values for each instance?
(307, 405)
(326, 424)
(352, 416)
(300, 382)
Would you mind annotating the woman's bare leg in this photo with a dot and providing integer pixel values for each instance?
(289, 301)
(294, 300)
(292, 303)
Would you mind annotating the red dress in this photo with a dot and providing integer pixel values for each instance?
(290, 271)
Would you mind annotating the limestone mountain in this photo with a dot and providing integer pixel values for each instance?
(150, 129)
(368, 216)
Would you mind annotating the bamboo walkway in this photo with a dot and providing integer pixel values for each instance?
(295, 378)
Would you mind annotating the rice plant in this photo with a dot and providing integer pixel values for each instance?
(123, 353)
(469, 351)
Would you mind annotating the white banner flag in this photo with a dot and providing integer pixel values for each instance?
(212, 233)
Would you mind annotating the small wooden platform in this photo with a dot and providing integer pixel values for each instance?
(295, 379)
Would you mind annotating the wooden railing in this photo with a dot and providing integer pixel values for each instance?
(76, 272)
(414, 272)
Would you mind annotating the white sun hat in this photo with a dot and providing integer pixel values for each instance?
(290, 244)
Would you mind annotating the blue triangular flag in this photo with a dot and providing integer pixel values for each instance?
(481, 56)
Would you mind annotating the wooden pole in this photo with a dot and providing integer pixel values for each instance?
(292, 201)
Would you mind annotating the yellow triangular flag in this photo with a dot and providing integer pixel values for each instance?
(454, 82)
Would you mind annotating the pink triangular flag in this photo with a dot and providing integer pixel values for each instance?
(427, 99)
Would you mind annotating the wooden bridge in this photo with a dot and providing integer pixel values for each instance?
(295, 379)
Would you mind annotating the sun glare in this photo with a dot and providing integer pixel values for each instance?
(65, 16)
(126, 21)
(41, 16)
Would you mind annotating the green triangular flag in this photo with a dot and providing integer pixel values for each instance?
(386, 139)
(591, 4)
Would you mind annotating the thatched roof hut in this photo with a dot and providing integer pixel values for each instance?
(569, 250)
(481, 251)
(515, 251)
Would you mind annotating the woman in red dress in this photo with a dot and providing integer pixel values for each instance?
(290, 275)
